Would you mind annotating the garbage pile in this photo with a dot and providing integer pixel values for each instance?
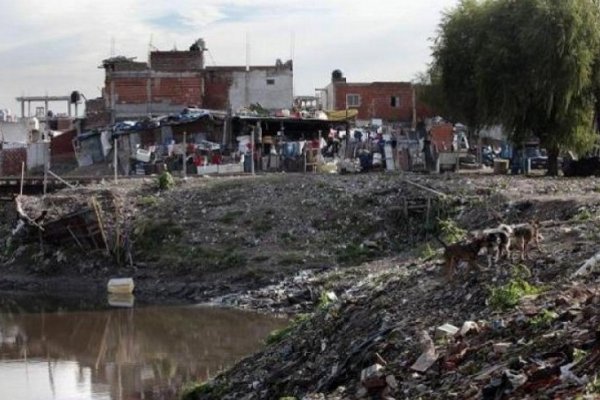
(513, 331)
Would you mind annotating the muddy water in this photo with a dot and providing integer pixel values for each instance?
(52, 351)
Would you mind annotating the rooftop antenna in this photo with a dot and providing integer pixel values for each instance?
(292, 54)
(292, 45)
(112, 46)
(150, 46)
(247, 52)
(212, 59)
(246, 83)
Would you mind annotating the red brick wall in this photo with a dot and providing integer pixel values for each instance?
(96, 120)
(216, 93)
(176, 61)
(10, 161)
(174, 90)
(184, 91)
(442, 136)
(375, 100)
(63, 144)
(129, 90)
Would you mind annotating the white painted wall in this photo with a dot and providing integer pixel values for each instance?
(328, 97)
(37, 154)
(276, 96)
(14, 132)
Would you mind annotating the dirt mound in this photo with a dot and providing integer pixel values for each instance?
(530, 328)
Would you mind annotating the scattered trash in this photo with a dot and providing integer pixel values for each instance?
(121, 285)
(446, 330)
(429, 355)
(373, 377)
(501, 347)
(468, 326)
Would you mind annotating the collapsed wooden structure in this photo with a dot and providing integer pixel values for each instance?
(78, 220)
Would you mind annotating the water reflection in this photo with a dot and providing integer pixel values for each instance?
(137, 353)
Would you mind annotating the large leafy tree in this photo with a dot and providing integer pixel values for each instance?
(530, 65)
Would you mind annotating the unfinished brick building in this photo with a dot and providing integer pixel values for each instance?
(173, 80)
(390, 101)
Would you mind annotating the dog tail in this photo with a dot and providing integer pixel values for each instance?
(441, 241)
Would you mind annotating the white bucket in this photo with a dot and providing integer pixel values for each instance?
(121, 285)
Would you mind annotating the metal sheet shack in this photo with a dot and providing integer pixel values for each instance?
(281, 143)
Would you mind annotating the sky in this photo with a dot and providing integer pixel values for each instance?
(55, 46)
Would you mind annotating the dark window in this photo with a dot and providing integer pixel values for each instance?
(395, 101)
(353, 100)
(270, 81)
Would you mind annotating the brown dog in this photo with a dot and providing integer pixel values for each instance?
(456, 252)
(524, 234)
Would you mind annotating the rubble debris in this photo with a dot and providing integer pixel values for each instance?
(446, 330)
(429, 355)
(468, 326)
(515, 352)
(373, 377)
(589, 265)
(501, 347)
(386, 296)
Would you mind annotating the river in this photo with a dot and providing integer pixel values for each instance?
(73, 350)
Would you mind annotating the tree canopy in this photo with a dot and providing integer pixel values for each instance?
(531, 65)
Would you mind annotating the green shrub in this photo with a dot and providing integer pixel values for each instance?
(543, 319)
(203, 389)
(147, 201)
(450, 231)
(166, 181)
(427, 252)
(279, 334)
(508, 296)
(583, 215)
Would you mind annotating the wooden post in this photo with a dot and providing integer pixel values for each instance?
(117, 248)
(428, 215)
(61, 179)
(46, 167)
(252, 150)
(22, 177)
(115, 157)
(100, 224)
(184, 154)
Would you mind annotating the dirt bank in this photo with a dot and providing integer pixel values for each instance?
(531, 327)
(357, 251)
(272, 242)
(208, 238)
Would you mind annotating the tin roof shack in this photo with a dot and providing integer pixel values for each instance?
(144, 145)
(290, 144)
(63, 131)
(21, 142)
(392, 102)
(97, 114)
